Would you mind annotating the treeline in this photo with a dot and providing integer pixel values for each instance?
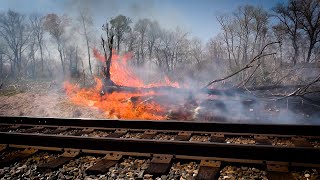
(50, 45)
(296, 25)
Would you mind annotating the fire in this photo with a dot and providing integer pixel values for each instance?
(117, 104)
(122, 75)
(121, 105)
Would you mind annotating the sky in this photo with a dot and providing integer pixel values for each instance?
(198, 17)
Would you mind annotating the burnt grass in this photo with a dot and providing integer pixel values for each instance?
(254, 107)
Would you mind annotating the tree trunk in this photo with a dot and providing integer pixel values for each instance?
(281, 55)
(296, 52)
(41, 56)
(70, 62)
(77, 60)
(61, 59)
(138, 58)
(151, 49)
(33, 66)
(18, 64)
(141, 49)
(1, 65)
(88, 51)
(229, 53)
(87, 42)
(309, 51)
(106, 69)
(118, 44)
(12, 67)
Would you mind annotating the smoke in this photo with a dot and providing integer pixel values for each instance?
(236, 108)
(168, 17)
(248, 108)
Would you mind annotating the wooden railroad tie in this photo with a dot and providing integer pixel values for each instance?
(34, 129)
(104, 164)
(217, 137)
(262, 140)
(17, 156)
(14, 127)
(209, 170)
(84, 131)
(183, 136)
(3, 147)
(160, 164)
(64, 158)
(117, 133)
(149, 134)
(58, 130)
(300, 142)
(278, 171)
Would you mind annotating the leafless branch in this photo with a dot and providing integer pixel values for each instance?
(243, 83)
(247, 66)
(303, 90)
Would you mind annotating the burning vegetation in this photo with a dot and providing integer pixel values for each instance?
(122, 105)
(255, 67)
(117, 73)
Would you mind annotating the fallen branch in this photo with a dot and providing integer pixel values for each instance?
(247, 66)
(262, 88)
(170, 90)
(303, 90)
(243, 83)
(185, 91)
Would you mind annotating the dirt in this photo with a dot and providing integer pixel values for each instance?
(44, 102)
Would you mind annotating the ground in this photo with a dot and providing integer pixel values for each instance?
(49, 99)
(42, 100)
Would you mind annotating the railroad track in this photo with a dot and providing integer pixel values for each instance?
(159, 149)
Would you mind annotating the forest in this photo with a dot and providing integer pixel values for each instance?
(35, 45)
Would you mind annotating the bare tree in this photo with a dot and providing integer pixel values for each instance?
(244, 17)
(121, 26)
(108, 48)
(197, 51)
(130, 41)
(227, 34)
(214, 49)
(260, 29)
(71, 53)
(153, 35)
(172, 49)
(32, 52)
(141, 28)
(280, 36)
(38, 32)
(288, 17)
(2, 53)
(56, 26)
(86, 21)
(14, 31)
(309, 18)
(244, 33)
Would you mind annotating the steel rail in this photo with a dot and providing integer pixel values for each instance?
(279, 129)
(222, 150)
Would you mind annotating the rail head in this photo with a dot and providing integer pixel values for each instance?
(281, 129)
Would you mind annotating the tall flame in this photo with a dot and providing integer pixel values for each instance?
(122, 75)
(120, 104)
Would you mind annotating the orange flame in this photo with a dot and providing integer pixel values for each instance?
(120, 104)
(117, 104)
(122, 75)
